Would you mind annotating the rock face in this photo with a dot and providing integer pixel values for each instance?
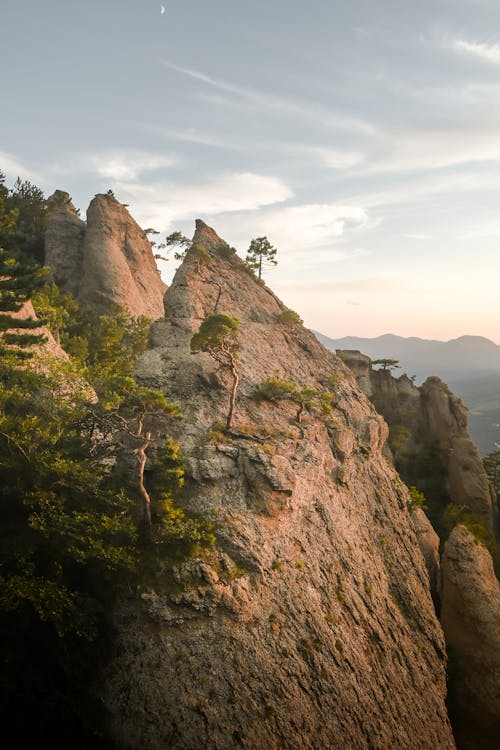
(106, 262)
(428, 541)
(64, 236)
(312, 625)
(431, 421)
(447, 418)
(470, 615)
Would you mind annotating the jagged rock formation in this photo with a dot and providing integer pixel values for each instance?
(106, 261)
(428, 420)
(470, 615)
(446, 416)
(429, 544)
(64, 236)
(312, 625)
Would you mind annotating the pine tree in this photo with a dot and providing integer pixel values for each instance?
(260, 254)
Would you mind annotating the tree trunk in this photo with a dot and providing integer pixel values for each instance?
(234, 388)
(142, 489)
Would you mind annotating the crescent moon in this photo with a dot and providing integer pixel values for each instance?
(162, 9)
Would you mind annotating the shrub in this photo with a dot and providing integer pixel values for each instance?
(289, 318)
(273, 389)
(225, 251)
(417, 499)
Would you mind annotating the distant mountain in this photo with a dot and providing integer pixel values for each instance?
(470, 365)
(458, 359)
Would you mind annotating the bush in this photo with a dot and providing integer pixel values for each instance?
(225, 251)
(289, 318)
(273, 389)
(417, 499)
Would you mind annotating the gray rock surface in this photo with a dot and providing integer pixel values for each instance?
(428, 542)
(312, 625)
(466, 478)
(470, 615)
(64, 236)
(118, 263)
(106, 262)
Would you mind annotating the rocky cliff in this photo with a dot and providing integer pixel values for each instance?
(431, 447)
(470, 615)
(312, 625)
(104, 262)
(429, 436)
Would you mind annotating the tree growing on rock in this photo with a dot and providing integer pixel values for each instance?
(387, 364)
(260, 254)
(217, 337)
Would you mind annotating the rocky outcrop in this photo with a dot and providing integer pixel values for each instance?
(428, 541)
(311, 624)
(470, 615)
(106, 262)
(361, 365)
(428, 436)
(446, 416)
(64, 236)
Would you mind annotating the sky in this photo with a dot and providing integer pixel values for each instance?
(362, 138)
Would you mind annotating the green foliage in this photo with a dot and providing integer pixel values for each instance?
(179, 536)
(27, 203)
(19, 278)
(225, 251)
(417, 499)
(217, 333)
(61, 521)
(103, 347)
(273, 389)
(260, 254)
(387, 364)
(218, 337)
(289, 318)
(198, 251)
(334, 381)
(474, 522)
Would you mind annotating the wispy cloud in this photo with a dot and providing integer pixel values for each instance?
(117, 165)
(334, 158)
(163, 203)
(310, 235)
(13, 168)
(275, 102)
(129, 166)
(489, 53)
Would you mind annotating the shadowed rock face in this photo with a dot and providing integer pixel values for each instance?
(467, 481)
(445, 418)
(64, 236)
(106, 262)
(470, 615)
(312, 625)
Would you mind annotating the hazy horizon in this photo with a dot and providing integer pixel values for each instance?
(361, 138)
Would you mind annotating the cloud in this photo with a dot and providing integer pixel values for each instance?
(489, 53)
(335, 158)
(13, 168)
(418, 236)
(300, 229)
(117, 165)
(161, 204)
(274, 102)
(129, 166)
(431, 149)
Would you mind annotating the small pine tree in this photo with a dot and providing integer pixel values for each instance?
(217, 337)
(260, 254)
